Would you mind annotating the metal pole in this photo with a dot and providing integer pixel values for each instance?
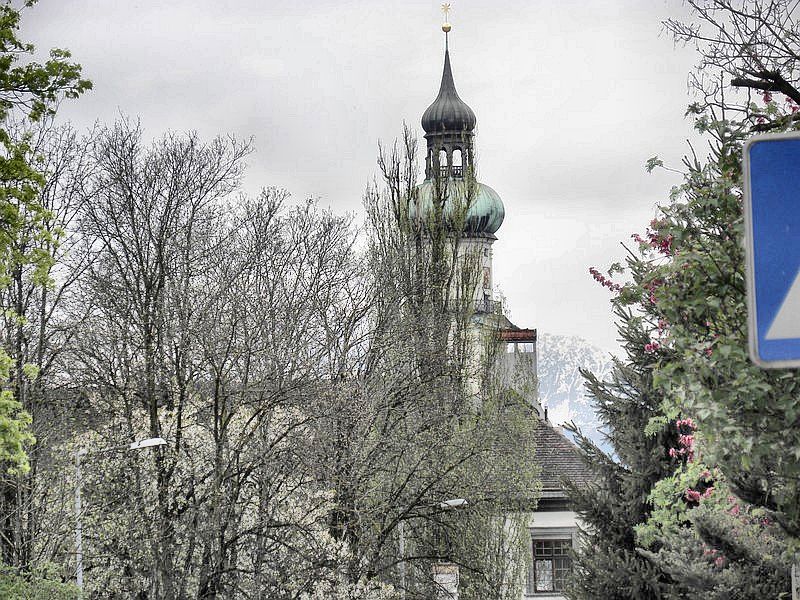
(402, 530)
(78, 536)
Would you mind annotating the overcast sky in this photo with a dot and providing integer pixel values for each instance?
(571, 97)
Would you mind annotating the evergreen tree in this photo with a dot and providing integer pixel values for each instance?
(682, 315)
(607, 564)
(713, 529)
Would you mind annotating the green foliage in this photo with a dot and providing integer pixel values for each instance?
(608, 563)
(14, 424)
(671, 507)
(652, 163)
(39, 585)
(714, 544)
(689, 278)
(687, 291)
(704, 530)
(28, 91)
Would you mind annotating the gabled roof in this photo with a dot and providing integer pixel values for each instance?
(558, 457)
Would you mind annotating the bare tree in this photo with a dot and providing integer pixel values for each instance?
(409, 419)
(315, 392)
(153, 214)
(747, 45)
(213, 320)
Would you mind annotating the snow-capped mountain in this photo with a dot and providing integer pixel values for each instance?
(561, 386)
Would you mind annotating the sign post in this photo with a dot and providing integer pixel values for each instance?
(772, 242)
(445, 578)
(772, 237)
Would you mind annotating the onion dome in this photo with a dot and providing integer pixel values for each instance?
(485, 213)
(448, 113)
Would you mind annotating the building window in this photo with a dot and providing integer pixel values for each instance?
(521, 347)
(551, 566)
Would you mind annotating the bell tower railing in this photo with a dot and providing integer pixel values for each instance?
(452, 171)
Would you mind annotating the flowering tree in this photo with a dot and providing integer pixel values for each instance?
(707, 539)
(685, 288)
(684, 296)
(694, 287)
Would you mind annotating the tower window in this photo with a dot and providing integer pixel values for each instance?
(457, 169)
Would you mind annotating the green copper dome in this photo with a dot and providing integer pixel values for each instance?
(484, 215)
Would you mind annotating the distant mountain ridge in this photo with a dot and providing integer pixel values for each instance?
(561, 386)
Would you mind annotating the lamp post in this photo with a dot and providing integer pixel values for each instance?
(455, 503)
(81, 452)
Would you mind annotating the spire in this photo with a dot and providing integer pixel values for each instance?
(448, 86)
(448, 113)
(446, 27)
(448, 123)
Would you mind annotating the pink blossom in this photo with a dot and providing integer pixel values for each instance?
(604, 281)
(692, 495)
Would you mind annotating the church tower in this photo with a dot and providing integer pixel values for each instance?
(449, 125)
(478, 212)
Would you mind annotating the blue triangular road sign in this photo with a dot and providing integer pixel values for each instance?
(772, 219)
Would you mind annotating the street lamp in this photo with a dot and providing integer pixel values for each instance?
(452, 504)
(455, 503)
(148, 443)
